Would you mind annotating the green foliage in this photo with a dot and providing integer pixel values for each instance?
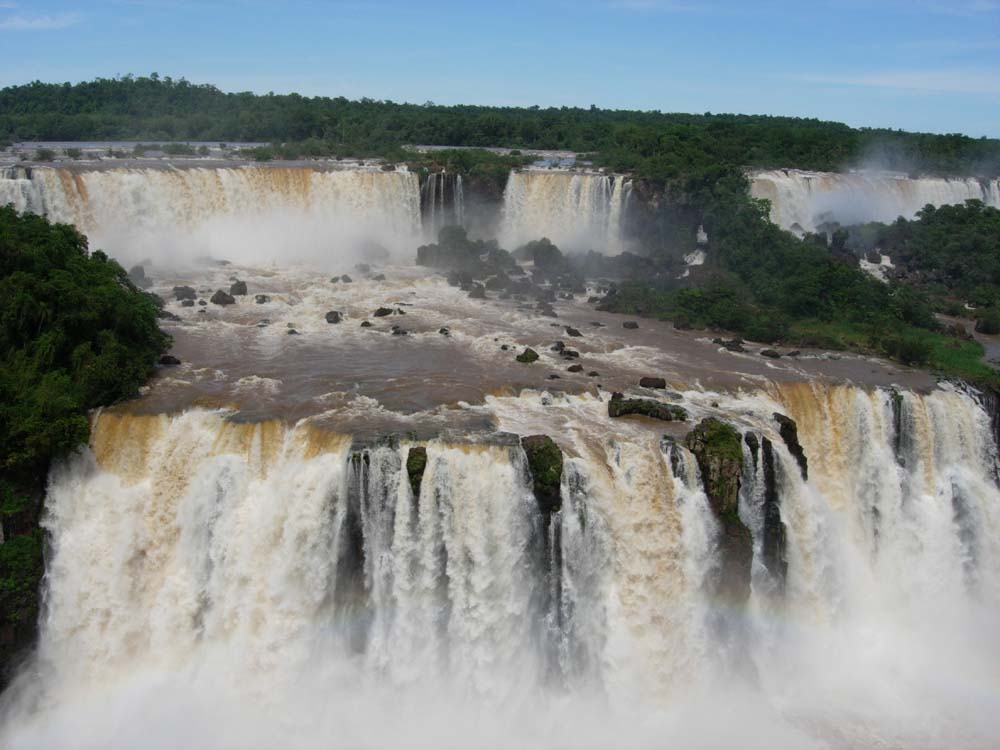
(720, 439)
(75, 333)
(45, 154)
(74, 153)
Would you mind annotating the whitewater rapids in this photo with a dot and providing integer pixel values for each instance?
(278, 583)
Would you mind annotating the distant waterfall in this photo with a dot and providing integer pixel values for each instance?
(577, 211)
(200, 566)
(228, 208)
(442, 202)
(803, 201)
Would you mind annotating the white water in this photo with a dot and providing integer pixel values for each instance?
(216, 584)
(442, 200)
(577, 211)
(802, 201)
(248, 214)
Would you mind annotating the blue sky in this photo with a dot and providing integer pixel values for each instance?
(929, 65)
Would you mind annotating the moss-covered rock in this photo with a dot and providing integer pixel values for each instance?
(528, 356)
(789, 432)
(545, 462)
(416, 462)
(619, 406)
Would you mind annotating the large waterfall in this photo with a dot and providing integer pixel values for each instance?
(576, 210)
(803, 201)
(215, 583)
(253, 213)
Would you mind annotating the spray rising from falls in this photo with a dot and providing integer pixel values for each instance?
(577, 211)
(407, 593)
(804, 201)
(252, 213)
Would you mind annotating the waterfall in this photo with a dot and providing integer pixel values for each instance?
(442, 202)
(201, 565)
(803, 201)
(265, 212)
(577, 211)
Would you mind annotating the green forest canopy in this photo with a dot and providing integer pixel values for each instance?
(653, 144)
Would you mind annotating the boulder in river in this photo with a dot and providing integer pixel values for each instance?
(382, 312)
(649, 382)
(221, 298)
(528, 356)
(138, 276)
(545, 463)
(261, 299)
(184, 292)
(169, 360)
(630, 325)
(334, 316)
(238, 289)
(619, 406)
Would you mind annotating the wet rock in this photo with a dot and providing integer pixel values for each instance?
(619, 406)
(203, 303)
(717, 448)
(345, 279)
(444, 331)
(770, 354)
(789, 432)
(630, 325)
(570, 331)
(596, 324)
(593, 374)
(221, 298)
(504, 347)
(774, 541)
(545, 463)
(416, 463)
(187, 303)
(732, 345)
(264, 323)
(292, 332)
(335, 280)
(261, 299)
(334, 316)
(575, 368)
(382, 312)
(793, 353)
(167, 315)
(649, 382)
(169, 360)
(544, 308)
(496, 283)
(138, 276)
(478, 291)
(378, 277)
(238, 289)
(363, 268)
(184, 292)
(558, 346)
(366, 324)
(397, 331)
(569, 354)
(528, 356)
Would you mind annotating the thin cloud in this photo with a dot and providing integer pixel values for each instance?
(39, 23)
(938, 81)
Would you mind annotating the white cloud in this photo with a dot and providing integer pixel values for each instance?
(940, 81)
(39, 23)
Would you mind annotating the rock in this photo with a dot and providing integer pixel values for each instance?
(597, 324)
(648, 382)
(544, 308)
(574, 368)
(570, 331)
(362, 268)
(619, 406)
(682, 325)
(545, 463)
(569, 354)
(444, 331)
(378, 277)
(187, 303)
(397, 331)
(630, 325)
(167, 315)
(770, 354)
(169, 360)
(264, 323)
(334, 316)
(202, 303)
(382, 312)
(335, 280)
(292, 332)
(416, 462)
(366, 324)
(138, 276)
(553, 376)
(346, 279)
(184, 292)
(593, 374)
(774, 541)
(528, 356)
(504, 347)
(717, 448)
(558, 346)
(261, 299)
(789, 432)
(478, 291)
(238, 289)
(221, 298)
(793, 353)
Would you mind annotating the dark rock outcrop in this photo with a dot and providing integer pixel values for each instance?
(221, 298)
(382, 312)
(770, 354)
(575, 368)
(238, 288)
(334, 316)
(169, 360)
(619, 406)
(184, 292)
(261, 299)
(773, 543)
(545, 462)
(649, 382)
(187, 303)
(138, 276)
(630, 325)
(716, 447)
(570, 331)
(789, 432)
(416, 462)
(528, 356)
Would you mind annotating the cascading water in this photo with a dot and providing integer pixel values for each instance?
(250, 213)
(213, 569)
(803, 201)
(442, 202)
(576, 210)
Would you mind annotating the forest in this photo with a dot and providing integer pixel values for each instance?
(654, 145)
